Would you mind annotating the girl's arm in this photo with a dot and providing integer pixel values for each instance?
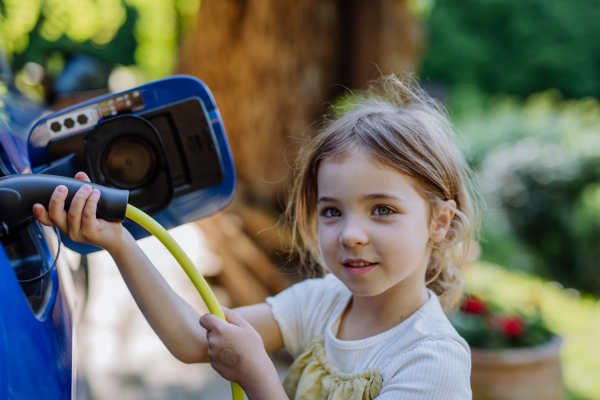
(175, 321)
(237, 349)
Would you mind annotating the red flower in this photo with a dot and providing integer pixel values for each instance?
(474, 305)
(512, 326)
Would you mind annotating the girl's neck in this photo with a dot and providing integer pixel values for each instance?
(367, 316)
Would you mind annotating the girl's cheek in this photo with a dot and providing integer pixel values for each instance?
(327, 241)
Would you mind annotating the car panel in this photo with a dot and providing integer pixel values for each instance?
(38, 358)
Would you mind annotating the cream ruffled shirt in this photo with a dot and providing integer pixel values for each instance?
(421, 358)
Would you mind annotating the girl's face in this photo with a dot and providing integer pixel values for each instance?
(374, 227)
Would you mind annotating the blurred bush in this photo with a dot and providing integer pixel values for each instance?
(539, 167)
(516, 47)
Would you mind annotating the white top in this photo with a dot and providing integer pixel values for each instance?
(421, 358)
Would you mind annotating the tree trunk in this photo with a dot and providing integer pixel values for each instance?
(270, 65)
(385, 37)
(273, 66)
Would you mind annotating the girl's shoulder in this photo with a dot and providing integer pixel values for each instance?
(433, 324)
(319, 295)
(437, 367)
(429, 342)
(427, 353)
(303, 310)
(316, 290)
(325, 294)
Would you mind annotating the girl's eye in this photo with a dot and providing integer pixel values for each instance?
(332, 212)
(384, 211)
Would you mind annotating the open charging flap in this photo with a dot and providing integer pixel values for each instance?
(163, 141)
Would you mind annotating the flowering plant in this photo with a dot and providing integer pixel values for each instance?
(488, 326)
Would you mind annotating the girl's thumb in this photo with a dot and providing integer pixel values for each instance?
(233, 317)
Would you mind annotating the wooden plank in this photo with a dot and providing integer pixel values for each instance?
(246, 252)
(262, 228)
(243, 287)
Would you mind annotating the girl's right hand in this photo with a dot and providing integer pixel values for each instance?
(80, 223)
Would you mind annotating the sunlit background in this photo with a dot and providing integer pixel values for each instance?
(521, 80)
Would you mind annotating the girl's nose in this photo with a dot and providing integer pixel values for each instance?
(353, 234)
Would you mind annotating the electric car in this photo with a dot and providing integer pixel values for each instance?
(164, 142)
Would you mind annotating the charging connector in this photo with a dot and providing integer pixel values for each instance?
(18, 194)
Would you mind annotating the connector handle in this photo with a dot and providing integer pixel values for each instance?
(18, 194)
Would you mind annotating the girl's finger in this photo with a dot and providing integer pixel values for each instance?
(234, 318)
(211, 323)
(82, 176)
(76, 208)
(56, 208)
(40, 213)
(88, 218)
(214, 338)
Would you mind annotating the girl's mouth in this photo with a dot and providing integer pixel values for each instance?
(358, 268)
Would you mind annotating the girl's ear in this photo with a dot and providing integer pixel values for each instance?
(441, 223)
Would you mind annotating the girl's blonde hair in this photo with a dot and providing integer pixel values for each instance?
(397, 123)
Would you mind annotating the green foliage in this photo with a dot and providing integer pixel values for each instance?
(144, 32)
(539, 164)
(575, 318)
(516, 47)
(48, 44)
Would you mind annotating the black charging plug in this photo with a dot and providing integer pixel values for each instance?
(18, 194)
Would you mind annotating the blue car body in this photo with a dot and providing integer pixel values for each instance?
(36, 323)
(37, 346)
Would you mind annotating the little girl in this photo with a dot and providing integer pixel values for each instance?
(382, 201)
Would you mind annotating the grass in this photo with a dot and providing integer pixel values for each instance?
(574, 317)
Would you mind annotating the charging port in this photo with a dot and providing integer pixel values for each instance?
(25, 252)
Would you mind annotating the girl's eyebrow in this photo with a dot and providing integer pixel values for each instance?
(366, 197)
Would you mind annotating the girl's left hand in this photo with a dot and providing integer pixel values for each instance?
(236, 350)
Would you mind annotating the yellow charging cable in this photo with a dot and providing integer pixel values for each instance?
(190, 269)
